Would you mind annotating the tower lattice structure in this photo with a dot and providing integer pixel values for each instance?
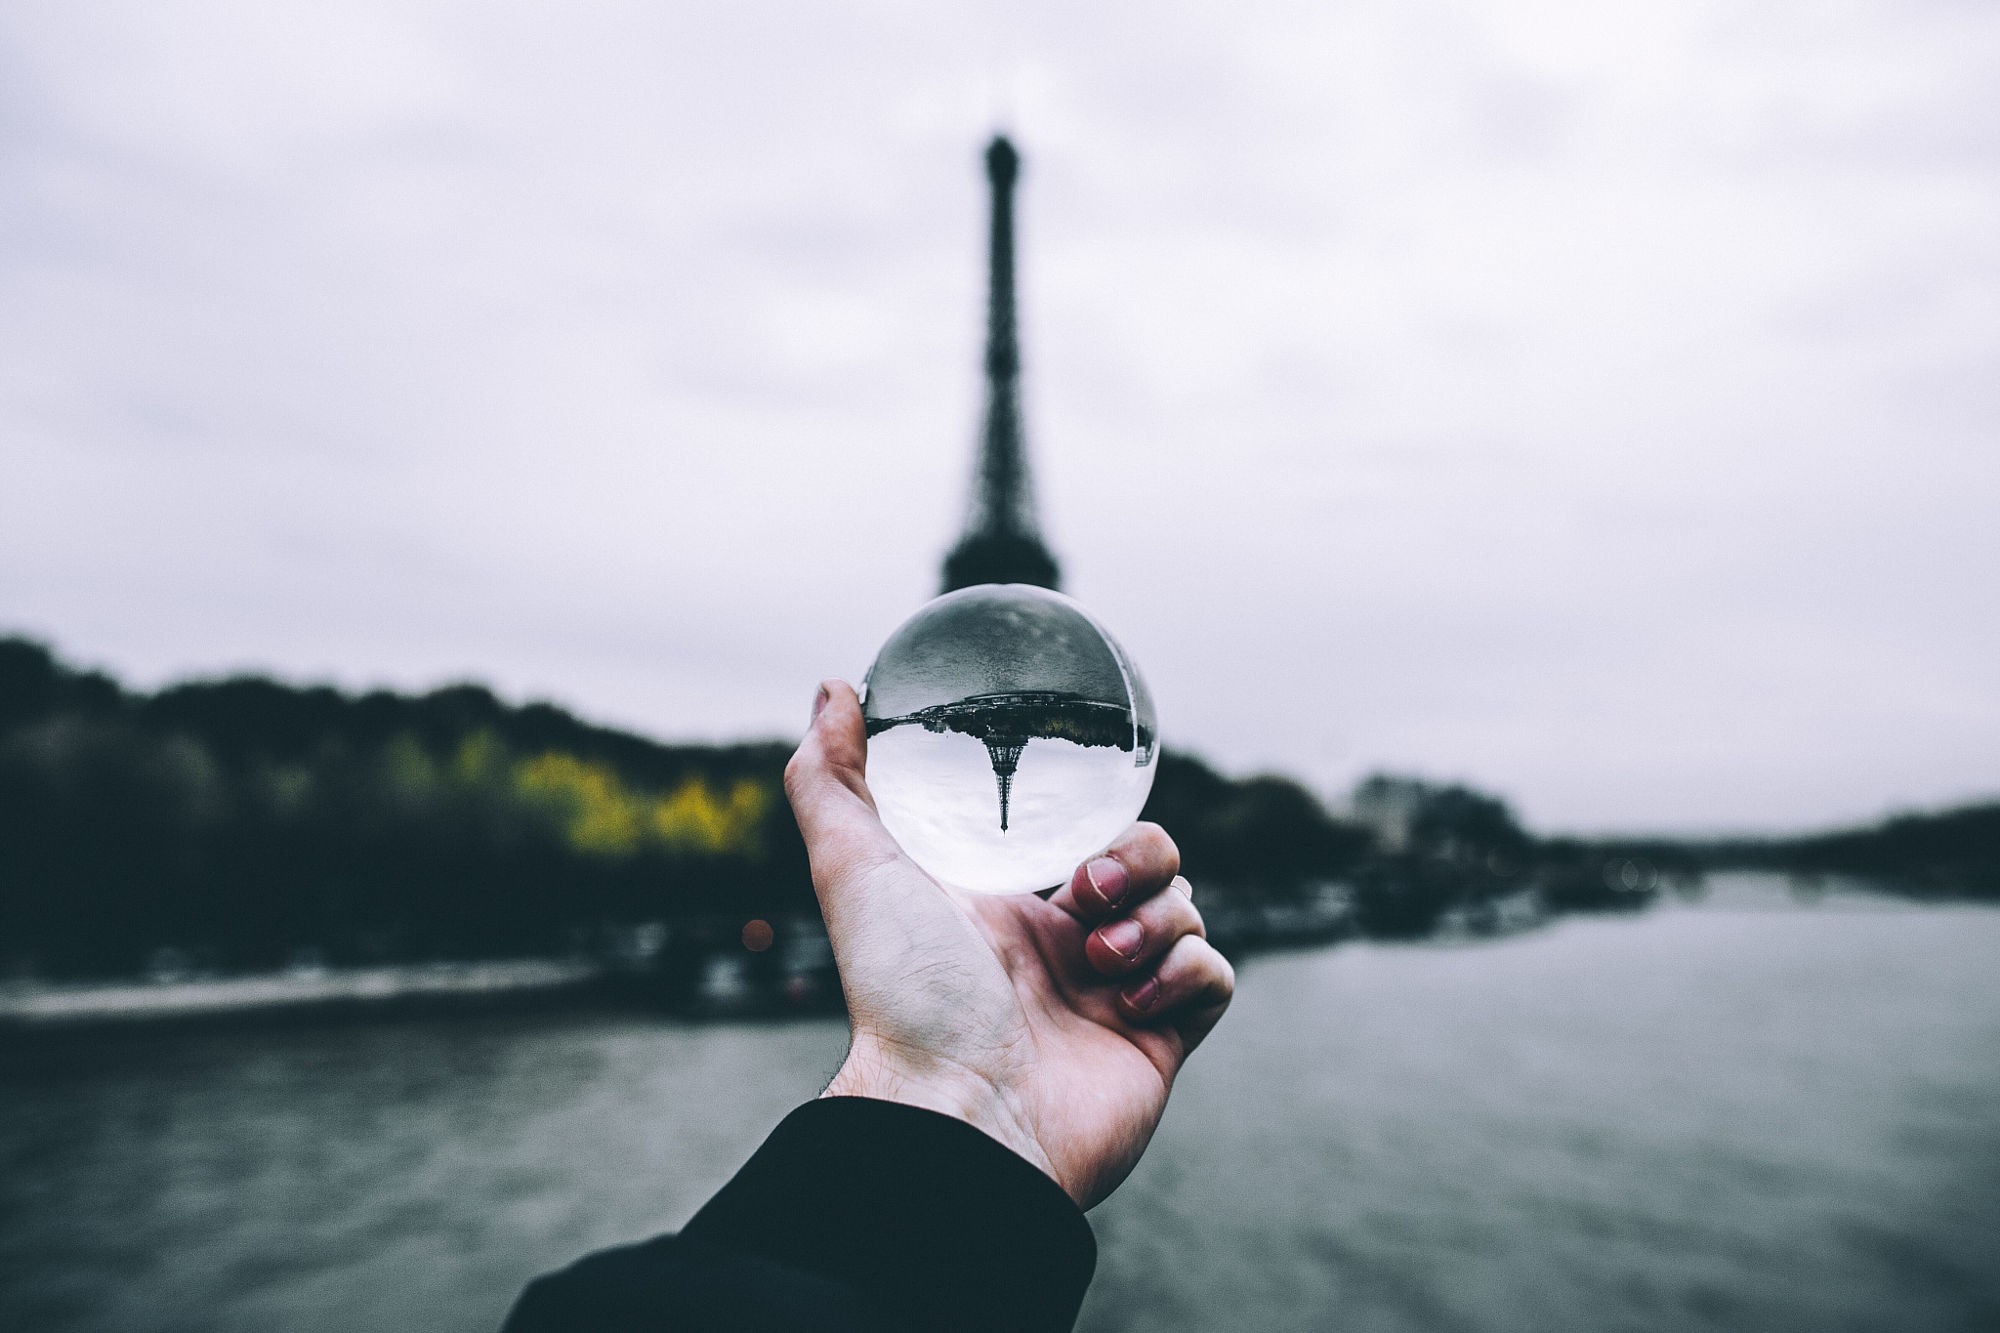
(1002, 542)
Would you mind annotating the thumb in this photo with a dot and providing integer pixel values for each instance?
(826, 782)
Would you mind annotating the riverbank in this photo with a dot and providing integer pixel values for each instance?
(710, 968)
(27, 1004)
(719, 968)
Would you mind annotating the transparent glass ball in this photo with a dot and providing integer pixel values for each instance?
(1009, 737)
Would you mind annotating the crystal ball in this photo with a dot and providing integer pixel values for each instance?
(1010, 738)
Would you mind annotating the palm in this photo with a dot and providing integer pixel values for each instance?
(1013, 1000)
(1001, 986)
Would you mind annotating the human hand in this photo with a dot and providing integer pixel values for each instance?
(1055, 1025)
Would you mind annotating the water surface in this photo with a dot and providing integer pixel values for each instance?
(1717, 1118)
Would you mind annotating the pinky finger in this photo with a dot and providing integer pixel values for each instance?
(1190, 988)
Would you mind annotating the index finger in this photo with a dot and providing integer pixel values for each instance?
(1138, 865)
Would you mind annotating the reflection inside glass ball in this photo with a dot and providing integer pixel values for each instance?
(1010, 737)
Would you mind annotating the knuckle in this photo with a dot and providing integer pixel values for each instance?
(1176, 916)
(1152, 843)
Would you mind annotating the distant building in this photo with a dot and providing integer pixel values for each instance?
(1388, 807)
(1002, 542)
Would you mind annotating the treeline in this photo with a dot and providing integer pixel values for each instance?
(1949, 854)
(245, 823)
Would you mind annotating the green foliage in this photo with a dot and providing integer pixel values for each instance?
(243, 821)
(1261, 837)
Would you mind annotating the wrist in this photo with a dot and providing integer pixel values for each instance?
(886, 1073)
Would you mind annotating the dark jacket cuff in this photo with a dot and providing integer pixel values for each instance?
(924, 1213)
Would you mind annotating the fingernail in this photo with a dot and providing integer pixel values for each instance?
(1124, 938)
(1143, 996)
(1108, 878)
(819, 702)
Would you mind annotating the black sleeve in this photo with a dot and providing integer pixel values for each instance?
(854, 1215)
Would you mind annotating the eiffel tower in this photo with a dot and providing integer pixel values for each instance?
(1002, 543)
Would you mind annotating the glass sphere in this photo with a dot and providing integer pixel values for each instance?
(1009, 737)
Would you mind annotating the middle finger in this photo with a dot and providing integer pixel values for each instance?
(1132, 939)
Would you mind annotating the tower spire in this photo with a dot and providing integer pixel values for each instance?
(1001, 543)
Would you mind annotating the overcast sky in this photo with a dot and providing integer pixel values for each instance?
(1597, 403)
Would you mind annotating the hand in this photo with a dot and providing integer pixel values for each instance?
(1055, 1025)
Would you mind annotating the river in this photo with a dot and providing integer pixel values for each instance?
(1737, 1115)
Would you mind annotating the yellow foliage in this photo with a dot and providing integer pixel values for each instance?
(604, 817)
(695, 818)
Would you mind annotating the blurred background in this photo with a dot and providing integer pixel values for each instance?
(1543, 460)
